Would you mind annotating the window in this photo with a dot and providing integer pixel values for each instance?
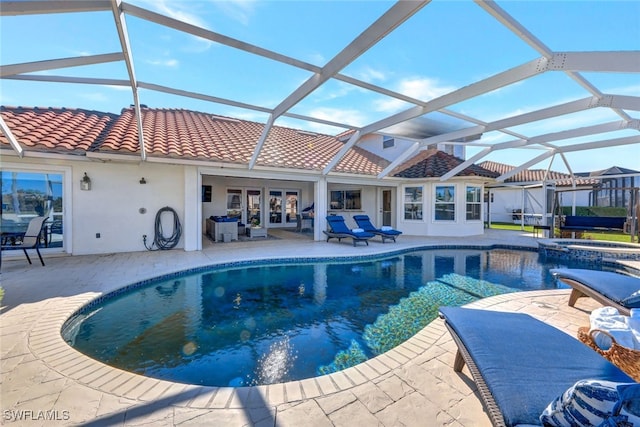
(388, 142)
(413, 203)
(445, 203)
(473, 203)
(345, 200)
(26, 195)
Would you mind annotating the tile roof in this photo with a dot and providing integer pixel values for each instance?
(191, 135)
(433, 163)
(613, 170)
(535, 175)
(61, 130)
(182, 134)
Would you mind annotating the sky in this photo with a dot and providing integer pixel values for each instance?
(445, 46)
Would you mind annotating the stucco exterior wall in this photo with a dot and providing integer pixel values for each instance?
(369, 200)
(121, 210)
(428, 225)
(111, 207)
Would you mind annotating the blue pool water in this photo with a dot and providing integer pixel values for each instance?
(270, 323)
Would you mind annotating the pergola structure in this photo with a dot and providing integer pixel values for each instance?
(414, 123)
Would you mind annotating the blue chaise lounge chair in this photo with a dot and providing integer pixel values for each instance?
(339, 230)
(520, 364)
(608, 288)
(364, 222)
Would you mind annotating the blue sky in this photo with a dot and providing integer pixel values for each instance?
(445, 46)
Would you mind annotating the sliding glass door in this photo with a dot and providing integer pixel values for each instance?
(26, 195)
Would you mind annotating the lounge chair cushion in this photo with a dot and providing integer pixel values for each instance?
(596, 402)
(617, 287)
(525, 362)
(632, 300)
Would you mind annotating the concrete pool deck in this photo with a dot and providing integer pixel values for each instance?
(46, 382)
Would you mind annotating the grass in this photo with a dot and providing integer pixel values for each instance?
(608, 236)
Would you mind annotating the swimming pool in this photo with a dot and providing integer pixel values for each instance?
(258, 323)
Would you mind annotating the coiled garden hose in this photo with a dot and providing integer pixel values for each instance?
(160, 241)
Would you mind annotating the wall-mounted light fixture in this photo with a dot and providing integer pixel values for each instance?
(143, 181)
(85, 182)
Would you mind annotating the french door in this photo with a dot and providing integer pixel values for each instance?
(283, 207)
(254, 207)
(245, 204)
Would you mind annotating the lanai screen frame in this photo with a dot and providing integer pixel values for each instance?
(572, 64)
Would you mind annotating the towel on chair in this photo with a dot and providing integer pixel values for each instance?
(357, 230)
(386, 228)
(610, 320)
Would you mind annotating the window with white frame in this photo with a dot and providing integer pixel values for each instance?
(413, 203)
(445, 203)
(474, 200)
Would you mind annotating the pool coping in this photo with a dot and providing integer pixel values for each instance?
(47, 344)
(422, 388)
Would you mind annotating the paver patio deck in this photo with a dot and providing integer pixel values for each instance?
(46, 382)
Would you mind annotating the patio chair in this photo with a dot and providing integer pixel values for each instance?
(300, 222)
(522, 366)
(339, 230)
(608, 288)
(387, 233)
(31, 238)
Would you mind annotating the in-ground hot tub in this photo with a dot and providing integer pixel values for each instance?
(588, 250)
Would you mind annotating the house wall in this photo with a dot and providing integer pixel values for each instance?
(373, 143)
(368, 197)
(582, 198)
(111, 207)
(428, 226)
(122, 210)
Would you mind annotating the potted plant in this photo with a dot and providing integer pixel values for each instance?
(255, 223)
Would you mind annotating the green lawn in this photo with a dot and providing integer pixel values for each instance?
(607, 236)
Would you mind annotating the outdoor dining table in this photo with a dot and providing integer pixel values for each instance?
(13, 234)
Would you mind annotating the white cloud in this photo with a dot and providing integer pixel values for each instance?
(237, 10)
(120, 88)
(347, 116)
(632, 90)
(94, 96)
(317, 59)
(370, 75)
(182, 11)
(422, 88)
(168, 63)
(341, 90)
